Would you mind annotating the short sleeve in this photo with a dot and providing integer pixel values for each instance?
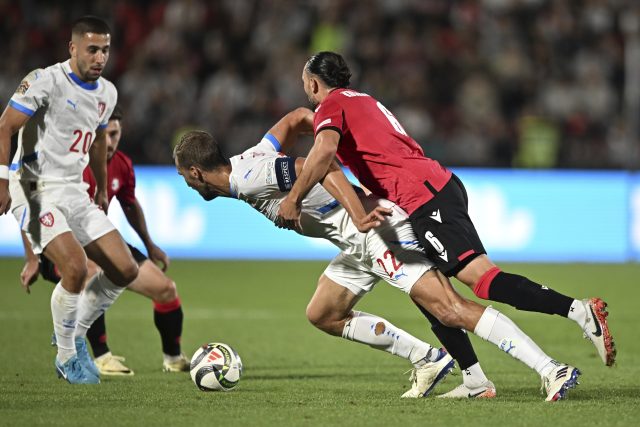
(328, 115)
(263, 176)
(33, 92)
(269, 143)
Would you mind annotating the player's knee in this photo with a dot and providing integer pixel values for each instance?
(314, 316)
(74, 273)
(128, 274)
(167, 291)
(325, 320)
(318, 318)
(451, 316)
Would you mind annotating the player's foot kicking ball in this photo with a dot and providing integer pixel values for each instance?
(485, 391)
(426, 377)
(108, 364)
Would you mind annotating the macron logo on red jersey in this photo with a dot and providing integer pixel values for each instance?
(322, 123)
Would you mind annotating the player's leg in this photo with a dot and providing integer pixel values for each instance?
(489, 282)
(435, 293)
(118, 269)
(65, 251)
(105, 361)
(167, 310)
(344, 281)
(97, 333)
(397, 258)
(450, 240)
(331, 311)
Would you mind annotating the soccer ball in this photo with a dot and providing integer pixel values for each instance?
(216, 366)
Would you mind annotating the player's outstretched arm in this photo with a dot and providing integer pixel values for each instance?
(10, 122)
(135, 216)
(98, 165)
(31, 269)
(295, 123)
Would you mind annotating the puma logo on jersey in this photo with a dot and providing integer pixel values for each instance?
(73, 104)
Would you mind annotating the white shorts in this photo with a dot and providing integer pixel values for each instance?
(391, 253)
(45, 210)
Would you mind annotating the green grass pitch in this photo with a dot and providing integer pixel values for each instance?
(295, 374)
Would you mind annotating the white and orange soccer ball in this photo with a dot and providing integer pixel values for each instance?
(216, 366)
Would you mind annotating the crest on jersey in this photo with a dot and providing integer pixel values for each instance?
(47, 219)
(115, 184)
(101, 108)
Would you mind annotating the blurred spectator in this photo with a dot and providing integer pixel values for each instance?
(525, 83)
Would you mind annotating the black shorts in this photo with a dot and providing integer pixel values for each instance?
(50, 273)
(445, 230)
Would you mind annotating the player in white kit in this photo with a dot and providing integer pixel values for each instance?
(262, 176)
(61, 112)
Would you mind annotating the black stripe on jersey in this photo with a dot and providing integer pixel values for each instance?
(334, 128)
(285, 172)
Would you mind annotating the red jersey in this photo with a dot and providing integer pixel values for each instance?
(121, 181)
(375, 147)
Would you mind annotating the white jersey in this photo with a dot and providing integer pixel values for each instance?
(262, 177)
(65, 113)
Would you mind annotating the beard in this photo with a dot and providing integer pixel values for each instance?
(207, 194)
(312, 102)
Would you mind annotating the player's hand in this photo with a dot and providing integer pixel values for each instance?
(29, 274)
(288, 215)
(102, 200)
(158, 256)
(373, 219)
(5, 196)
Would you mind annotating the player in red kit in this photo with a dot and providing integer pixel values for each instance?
(366, 137)
(151, 281)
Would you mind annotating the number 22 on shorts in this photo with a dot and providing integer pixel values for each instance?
(397, 265)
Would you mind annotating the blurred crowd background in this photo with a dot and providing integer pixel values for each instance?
(500, 83)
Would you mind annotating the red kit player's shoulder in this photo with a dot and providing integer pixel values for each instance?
(122, 158)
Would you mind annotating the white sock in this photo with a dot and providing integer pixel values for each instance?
(474, 376)
(578, 313)
(97, 297)
(64, 310)
(378, 333)
(498, 329)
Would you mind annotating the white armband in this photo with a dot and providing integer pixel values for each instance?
(4, 172)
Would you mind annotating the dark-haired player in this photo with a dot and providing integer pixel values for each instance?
(61, 112)
(151, 281)
(262, 176)
(366, 137)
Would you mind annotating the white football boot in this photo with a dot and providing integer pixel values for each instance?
(596, 330)
(559, 381)
(485, 391)
(426, 377)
